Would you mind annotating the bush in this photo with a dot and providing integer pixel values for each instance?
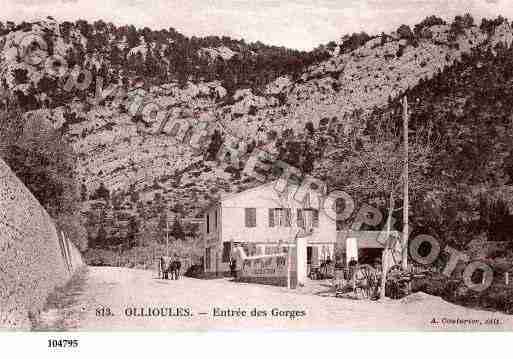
(400, 51)
(459, 25)
(497, 297)
(427, 23)
(404, 32)
(46, 164)
(468, 20)
(488, 26)
(354, 41)
(426, 34)
(194, 271)
(99, 257)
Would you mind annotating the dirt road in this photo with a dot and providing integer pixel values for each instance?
(109, 298)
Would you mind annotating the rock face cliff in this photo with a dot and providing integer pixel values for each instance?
(35, 258)
(143, 165)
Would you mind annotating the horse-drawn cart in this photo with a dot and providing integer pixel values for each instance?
(364, 281)
(325, 271)
(360, 282)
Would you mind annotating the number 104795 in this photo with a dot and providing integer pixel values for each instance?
(62, 343)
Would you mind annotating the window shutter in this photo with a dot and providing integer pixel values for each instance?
(287, 217)
(271, 217)
(253, 217)
(246, 217)
(279, 216)
(300, 219)
(250, 217)
(315, 218)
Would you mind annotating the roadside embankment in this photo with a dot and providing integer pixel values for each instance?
(35, 257)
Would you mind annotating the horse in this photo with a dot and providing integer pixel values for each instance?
(165, 267)
(174, 268)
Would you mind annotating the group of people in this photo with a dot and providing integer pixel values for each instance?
(169, 267)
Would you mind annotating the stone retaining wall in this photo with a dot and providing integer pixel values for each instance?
(35, 257)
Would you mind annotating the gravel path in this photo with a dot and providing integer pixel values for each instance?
(139, 300)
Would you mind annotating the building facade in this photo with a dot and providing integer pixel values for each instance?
(264, 220)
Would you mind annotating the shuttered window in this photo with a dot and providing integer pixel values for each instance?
(207, 258)
(280, 217)
(315, 218)
(250, 217)
(300, 218)
(288, 215)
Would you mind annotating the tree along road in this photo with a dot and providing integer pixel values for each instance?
(109, 298)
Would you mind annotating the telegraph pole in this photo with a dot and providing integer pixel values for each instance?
(289, 265)
(167, 237)
(405, 183)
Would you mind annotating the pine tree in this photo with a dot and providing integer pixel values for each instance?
(83, 192)
(177, 230)
(133, 230)
(215, 144)
(162, 227)
(101, 237)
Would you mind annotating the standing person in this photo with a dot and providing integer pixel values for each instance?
(377, 265)
(376, 281)
(233, 267)
(176, 266)
(352, 268)
(328, 270)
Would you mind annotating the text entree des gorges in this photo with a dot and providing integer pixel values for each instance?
(215, 312)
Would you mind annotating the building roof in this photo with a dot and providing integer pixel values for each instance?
(224, 197)
(213, 204)
(253, 189)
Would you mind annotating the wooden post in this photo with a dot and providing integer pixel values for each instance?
(289, 267)
(204, 237)
(387, 251)
(167, 236)
(153, 259)
(405, 183)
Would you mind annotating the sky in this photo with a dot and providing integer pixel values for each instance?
(301, 24)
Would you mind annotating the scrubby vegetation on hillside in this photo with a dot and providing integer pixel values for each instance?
(125, 53)
(459, 155)
(47, 166)
(465, 113)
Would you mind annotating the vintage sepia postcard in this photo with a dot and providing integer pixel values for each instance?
(240, 165)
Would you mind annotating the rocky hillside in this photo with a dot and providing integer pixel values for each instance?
(144, 168)
(464, 117)
(122, 55)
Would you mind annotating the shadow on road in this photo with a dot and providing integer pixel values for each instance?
(63, 309)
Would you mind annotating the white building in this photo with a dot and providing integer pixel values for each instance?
(264, 221)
